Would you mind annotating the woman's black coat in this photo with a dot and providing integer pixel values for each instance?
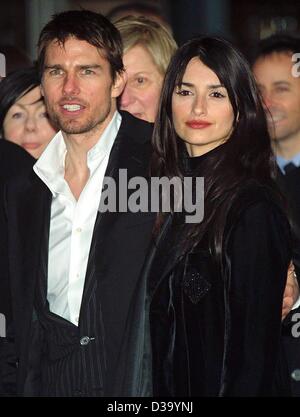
(195, 331)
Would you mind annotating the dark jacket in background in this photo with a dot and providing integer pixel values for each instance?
(14, 161)
(290, 186)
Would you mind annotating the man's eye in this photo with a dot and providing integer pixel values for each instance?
(88, 72)
(55, 71)
(281, 89)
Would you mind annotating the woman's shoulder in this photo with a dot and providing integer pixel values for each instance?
(256, 217)
(254, 201)
(254, 193)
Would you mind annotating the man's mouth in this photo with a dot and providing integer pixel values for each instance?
(72, 107)
(275, 117)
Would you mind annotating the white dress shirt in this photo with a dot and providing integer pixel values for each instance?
(72, 222)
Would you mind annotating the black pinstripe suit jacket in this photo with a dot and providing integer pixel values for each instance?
(119, 245)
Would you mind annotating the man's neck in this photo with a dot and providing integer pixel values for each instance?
(76, 170)
(78, 145)
(288, 147)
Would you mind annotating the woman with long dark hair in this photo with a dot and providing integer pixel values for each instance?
(214, 288)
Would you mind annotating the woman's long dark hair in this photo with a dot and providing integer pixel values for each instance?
(13, 87)
(247, 153)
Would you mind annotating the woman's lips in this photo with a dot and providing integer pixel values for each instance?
(197, 124)
(31, 145)
(138, 115)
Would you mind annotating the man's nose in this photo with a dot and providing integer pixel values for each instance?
(268, 100)
(71, 85)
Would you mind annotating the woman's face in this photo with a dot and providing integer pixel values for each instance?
(202, 113)
(26, 123)
(144, 81)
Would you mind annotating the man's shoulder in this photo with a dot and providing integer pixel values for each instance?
(14, 160)
(137, 129)
(11, 150)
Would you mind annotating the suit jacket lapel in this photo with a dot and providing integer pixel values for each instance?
(124, 155)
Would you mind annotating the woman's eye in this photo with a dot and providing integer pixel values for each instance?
(140, 80)
(17, 115)
(183, 92)
(217, 94)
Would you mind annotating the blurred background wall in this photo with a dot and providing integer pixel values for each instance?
(242, 21)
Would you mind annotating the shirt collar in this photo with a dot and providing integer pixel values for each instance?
(103, 146)
(282, 162)
(50, 166)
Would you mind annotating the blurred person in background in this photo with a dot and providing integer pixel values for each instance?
(148, 48)
(279, 84)
(23, 116)
(25, 125)
(153, 12)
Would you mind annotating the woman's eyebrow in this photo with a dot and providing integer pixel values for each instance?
(210, 86)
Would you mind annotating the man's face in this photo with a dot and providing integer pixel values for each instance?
(281, 94)
(78, 87)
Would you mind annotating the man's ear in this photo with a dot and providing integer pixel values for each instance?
(42, 90)
(119, 84)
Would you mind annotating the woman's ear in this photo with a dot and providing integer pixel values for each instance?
(119, 84)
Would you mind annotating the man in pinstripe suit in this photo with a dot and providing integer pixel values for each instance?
(73, 270)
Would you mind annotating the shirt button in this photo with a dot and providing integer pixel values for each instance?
(296, 375)
(78, 230)
(85, 340)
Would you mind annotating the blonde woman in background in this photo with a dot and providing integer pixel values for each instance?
(148, 48)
